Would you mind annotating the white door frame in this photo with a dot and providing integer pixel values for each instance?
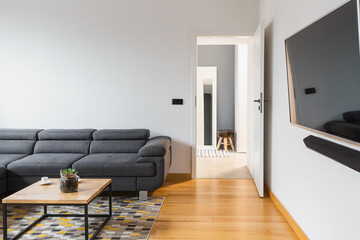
(193, 62)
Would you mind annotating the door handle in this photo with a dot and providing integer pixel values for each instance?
(260, 101)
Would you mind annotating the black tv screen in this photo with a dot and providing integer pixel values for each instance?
(323, 68)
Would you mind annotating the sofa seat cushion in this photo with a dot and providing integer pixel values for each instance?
(113, 165)
(5, 159)
(45, 164)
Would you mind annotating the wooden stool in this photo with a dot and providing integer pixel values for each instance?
(225, 135)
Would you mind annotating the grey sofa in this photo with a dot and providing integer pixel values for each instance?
(132, 160)
(349, 128)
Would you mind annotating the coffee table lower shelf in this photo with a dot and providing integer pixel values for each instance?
(86, 215)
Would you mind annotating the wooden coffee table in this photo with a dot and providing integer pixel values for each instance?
(37, 194)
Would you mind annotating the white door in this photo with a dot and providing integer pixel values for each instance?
(257, 112)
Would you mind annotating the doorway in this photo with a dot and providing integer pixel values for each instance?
(253, 43)
(222, 75)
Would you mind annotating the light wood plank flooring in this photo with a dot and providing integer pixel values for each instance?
(218, 209)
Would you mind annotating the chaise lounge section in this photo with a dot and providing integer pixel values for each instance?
(15, 144)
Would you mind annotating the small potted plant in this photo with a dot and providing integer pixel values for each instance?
(68, 180)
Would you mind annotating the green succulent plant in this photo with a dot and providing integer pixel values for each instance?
(68, 172)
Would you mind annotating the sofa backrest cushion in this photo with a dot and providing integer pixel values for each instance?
(119, 140)
(18, 141)
(121, 134)
(71, 146)
(64, 141)
(352, 117)
(66, 134)
(116, 146)
(16, 146)
(19, 134)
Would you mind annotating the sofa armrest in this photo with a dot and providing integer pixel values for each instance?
(157, 146)
(158, 151)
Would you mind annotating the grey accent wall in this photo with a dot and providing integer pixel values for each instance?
(223, 57)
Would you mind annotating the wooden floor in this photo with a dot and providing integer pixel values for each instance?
(218, 209)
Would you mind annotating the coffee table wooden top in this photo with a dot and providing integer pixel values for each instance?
(51, 193)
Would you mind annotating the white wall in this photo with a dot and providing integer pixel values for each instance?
(322, 195)
(107, 64)
(242, 67)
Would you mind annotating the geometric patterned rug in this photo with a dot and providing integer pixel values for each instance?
(131, 219)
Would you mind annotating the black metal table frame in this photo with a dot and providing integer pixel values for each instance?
(86, 215)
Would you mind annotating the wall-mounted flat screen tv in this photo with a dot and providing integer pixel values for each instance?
(323, 67)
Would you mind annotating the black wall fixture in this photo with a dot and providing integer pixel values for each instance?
(310, 90)
(177, 101)
(344, 155)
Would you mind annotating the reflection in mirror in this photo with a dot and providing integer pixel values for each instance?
(323, 67)
(208, 114)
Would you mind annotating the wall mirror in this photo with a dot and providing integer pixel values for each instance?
(206, 106)
(323, 66)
